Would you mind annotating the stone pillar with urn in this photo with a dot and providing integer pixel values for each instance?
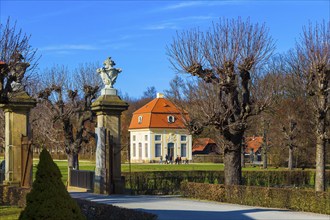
(108, 108)
(16, 104)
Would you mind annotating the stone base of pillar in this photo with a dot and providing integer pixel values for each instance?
(100, 181)
(119, 186)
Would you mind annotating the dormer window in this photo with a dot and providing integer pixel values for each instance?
(170, 119)
(140, 119)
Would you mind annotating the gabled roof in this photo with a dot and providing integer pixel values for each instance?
(155, 115)
(253, 143)
(201, 143)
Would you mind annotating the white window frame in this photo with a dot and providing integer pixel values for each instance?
(140, 118)
(158, 135)
(185, 151)
(160, 149)
(170, 119)
(146, 150)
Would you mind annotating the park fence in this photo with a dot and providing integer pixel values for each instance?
(82, 179)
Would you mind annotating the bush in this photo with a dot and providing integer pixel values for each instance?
(93, 210)
(49, 198)
(160, 182)
(295, 199)
(13, 196)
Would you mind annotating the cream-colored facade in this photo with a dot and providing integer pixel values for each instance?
(157, 129)
(149, 145)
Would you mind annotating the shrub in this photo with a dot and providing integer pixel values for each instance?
(49, 198)
(93, 210)
(168, 182)
(295, 199)
(13, 196)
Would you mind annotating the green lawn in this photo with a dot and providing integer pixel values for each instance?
(9, 212)
(90, 165)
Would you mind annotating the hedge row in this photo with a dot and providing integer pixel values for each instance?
(169, 182)
(295, 199)
(13, 196)
(93, 210)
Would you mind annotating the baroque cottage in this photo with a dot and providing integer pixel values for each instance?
(157, 130)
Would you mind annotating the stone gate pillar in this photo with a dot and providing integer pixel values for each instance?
(16, 127)
(108, 108)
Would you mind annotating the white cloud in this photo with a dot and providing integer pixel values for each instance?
(189, 4)
(161, 26)
(68, 47)
(177, 23)
(182, 5)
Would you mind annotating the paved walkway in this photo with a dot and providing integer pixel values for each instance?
(174, 207)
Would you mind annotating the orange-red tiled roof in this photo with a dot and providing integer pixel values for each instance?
(201, 143)
(154, 115)
(253, 143)
(2, 62)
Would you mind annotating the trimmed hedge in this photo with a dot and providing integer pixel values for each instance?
(295, 199)
(93, 210)
(160, 182)
(13, 196)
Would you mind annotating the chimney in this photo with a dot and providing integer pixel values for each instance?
(160, 95)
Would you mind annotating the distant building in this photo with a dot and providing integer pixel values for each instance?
(253, 146)
(157, 130)
(205, 146)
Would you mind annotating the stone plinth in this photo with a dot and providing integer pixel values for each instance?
(108, 109)
(16, 126)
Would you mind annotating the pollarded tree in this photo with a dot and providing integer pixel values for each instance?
(68, 111)
(311, 60)
(224, 57)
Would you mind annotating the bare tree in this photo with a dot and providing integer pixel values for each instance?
(16, 55)
(311, 60)
(69, 110)
(224, 58)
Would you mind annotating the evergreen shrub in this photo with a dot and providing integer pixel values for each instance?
(49, 199)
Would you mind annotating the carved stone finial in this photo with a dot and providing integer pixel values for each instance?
(109, 75)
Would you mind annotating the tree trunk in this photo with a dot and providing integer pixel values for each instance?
(320, 143)
(264, 157)
(232, 161)
(242, 156)
(73, 161)
(290, 163)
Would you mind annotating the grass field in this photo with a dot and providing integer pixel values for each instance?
(9, 212)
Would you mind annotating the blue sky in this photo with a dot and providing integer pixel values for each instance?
(135, 33)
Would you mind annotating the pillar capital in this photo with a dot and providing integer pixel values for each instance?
(18, 101)
(109, 105)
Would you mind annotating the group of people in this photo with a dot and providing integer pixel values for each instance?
(169, 160)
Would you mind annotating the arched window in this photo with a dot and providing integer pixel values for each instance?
(170, 119)
(140, 119)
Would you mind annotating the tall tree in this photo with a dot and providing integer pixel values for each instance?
(150, 93)
(68, 110)
(224, 57)
(311, 60)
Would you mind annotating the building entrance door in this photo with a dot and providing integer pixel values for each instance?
(170, 149)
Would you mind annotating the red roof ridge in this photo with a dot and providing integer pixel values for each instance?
(157, 99)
